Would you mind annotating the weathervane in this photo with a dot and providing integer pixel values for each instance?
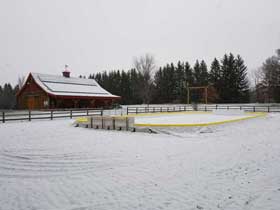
(66, 67)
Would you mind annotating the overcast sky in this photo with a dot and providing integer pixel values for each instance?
(96, 35)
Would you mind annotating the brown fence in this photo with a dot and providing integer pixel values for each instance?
(153, 109)
(247, 108)
(70, 113)
(47, 114)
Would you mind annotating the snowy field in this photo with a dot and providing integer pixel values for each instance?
(52, 165)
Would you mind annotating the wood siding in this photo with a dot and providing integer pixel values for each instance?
(32, 96)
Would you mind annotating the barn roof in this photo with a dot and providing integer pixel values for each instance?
(63, 86)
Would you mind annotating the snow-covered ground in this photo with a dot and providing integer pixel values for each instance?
(52, 165)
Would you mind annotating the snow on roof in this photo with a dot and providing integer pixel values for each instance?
(63, 86)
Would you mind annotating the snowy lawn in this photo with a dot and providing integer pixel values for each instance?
(52, 165)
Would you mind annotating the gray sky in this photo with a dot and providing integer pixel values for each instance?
(95, 35)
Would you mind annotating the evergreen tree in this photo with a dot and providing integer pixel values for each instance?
(242, 83)
(200, 74)
(106, 83)
(215, 78)
(189, 74)
(159, 86)
(98, 78)
(180, 83)
(125, 89)
(234, 81)
(215, 74)
(196, 73)
(204, 74)
(171, 83)
(8, 96)
(135, 79)
(228, 79)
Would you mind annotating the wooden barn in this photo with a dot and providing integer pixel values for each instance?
(43, 91)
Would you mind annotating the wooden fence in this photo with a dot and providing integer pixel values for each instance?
(47, 114)
(153, 109)
(70, 113)
(247, 108)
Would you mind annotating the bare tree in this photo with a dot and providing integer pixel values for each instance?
(145, 66)
(257, 76)
(271, 77)
(258, 90)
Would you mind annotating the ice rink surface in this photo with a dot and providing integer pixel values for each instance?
(190, 118)
(52, 165)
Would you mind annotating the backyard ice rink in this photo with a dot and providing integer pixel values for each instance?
(193, 118)
(52, 165)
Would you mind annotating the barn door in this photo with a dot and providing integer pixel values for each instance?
(30, 102)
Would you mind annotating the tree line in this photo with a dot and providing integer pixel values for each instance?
(226, 80)
(8, 96)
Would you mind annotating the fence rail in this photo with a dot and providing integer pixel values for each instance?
(30, 115)
(47, 114)
(247, 108)
(154, 109)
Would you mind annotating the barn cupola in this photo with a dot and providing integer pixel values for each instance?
(66, 72)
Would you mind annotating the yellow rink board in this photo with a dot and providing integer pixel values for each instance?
(252, 115)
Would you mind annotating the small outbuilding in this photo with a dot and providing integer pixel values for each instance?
(44, 91)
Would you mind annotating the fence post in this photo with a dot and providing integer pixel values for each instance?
(227, 107)
(216, 106)
(101, 112)
(91, 122)
(3, 117)
(254, 108)
(87, 112)
(114, 123)
(71, 114)
(136, 110)
(29, 115)
(127, 110)
(240, 107)
(268, 109)
(126, 123)
(205, 108)
(51, 114)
